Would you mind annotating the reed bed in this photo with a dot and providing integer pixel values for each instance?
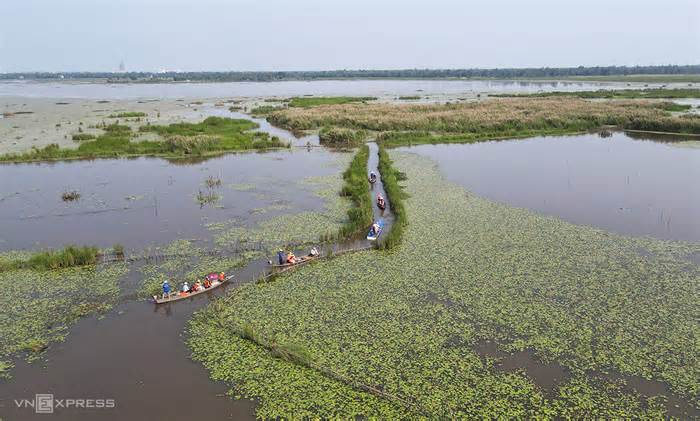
(511, 116)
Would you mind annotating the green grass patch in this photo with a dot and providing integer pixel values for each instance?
(265, 109)
(128, 114)
(314, 101)
(409, 98)
(356, 188)
(69, 256)
(212, 136)
(390, 179)
(82, 136)
(341, 136)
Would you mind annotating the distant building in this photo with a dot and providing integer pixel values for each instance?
(122, 67)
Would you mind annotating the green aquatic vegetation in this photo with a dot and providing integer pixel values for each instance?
(38, 307)
(265, 109)
(82, 136)
(395, 194)
(356, 188)
(214, 135)
(242, 186)
(314, 101)
(128, 114)
(69, 256)
(407, 321)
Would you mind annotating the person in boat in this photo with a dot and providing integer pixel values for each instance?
(206, 283)
(185, 287)
(375, 229)
(380, 201)
(166, 289)
(291, 258)
(222, 276)
(372, 177)
(281, 257)
(198, 286)
(313, 252)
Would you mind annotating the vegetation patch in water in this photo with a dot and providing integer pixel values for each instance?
(341, 137)
(128, 114)
(38, 306)
(356, 188)
(407, 321)
(494, 118)
(212, 136)
(314, 101)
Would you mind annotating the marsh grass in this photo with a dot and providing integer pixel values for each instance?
(656, 93)
(306, 102)
(67, 257)
(356, 188)
(207, 198)
(396, 195)
(341, 136)
(265, 109)
(214, 135)
(79, 137)
(128, 114)
(70, 196)
(212, 182)
(473, 121)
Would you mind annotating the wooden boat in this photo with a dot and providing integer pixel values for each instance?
(176, 296)
(300, 261)
(372, 180)
(381, 205)
(377, 234)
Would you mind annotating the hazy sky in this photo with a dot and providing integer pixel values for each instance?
(64, 35)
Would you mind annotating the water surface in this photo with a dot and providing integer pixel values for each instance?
(359, 87)
(620, 184)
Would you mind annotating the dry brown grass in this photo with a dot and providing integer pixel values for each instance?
(495, 115)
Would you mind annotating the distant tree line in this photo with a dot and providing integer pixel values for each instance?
(542, 72)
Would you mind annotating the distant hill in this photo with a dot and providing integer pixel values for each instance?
(542, 72)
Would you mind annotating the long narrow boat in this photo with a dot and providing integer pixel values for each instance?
(176, 296)
(300, 261)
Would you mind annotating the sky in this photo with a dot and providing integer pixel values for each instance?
(275, 35)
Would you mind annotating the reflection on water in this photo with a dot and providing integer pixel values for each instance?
(617, 183)
(292, 88)
(137, 202)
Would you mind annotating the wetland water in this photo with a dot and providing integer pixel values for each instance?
(619, 184)
(293, 88)
(144, 201)
(136, 354)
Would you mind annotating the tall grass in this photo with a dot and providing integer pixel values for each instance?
(486, 119)
(357, 189)
(341, 136)
(69, 256)
(314, 101)
(395, 194)
(128, 114)
(658, 93)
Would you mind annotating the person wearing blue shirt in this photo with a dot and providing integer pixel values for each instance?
(166, 289)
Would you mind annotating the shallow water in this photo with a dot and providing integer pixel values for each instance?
(138, 202)
(293, 88)
(620, 184)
